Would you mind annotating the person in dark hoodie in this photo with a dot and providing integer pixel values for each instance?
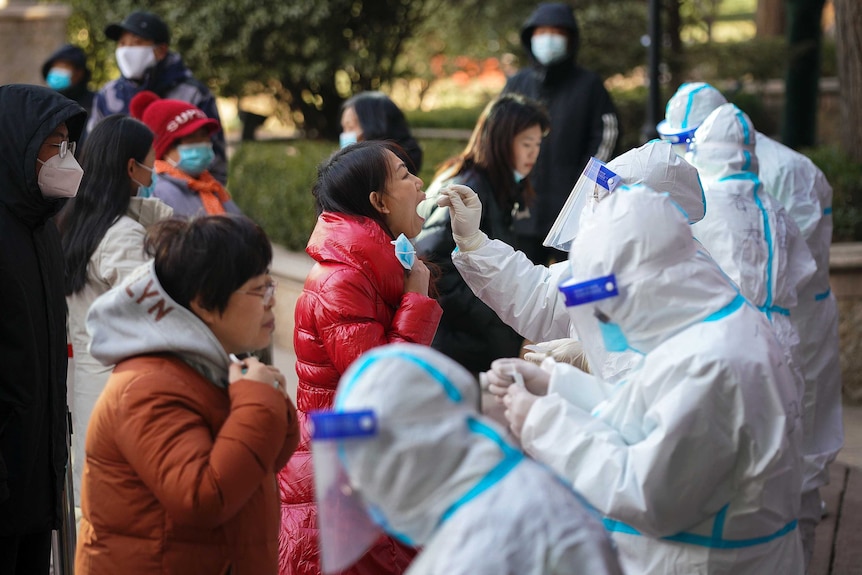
(67, 72)
(146, 63)
(583, 120)
(38, 171)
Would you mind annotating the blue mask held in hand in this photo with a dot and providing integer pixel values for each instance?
(195, 158)
(59, 78)
(612, 335)
(404, 251)
(347, 138)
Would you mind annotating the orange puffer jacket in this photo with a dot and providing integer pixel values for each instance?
(179, 476)
(353, 301)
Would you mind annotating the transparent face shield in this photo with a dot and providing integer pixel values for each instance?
(599, 336)
(346, 529)
(595, 183)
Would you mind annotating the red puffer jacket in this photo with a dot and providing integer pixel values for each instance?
(353, 301)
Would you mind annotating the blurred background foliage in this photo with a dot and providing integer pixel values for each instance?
(308, 56)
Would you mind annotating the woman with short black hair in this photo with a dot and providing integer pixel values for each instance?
(185, 440)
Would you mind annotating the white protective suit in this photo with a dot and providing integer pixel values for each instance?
(693, 457)
(525, 296)
(802, 189)
(443, 477)
(745, 230)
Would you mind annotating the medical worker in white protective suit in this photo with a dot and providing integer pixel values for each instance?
(801, 187)
(524, 295)
(438, 475)
(745, 230)
(694, 456)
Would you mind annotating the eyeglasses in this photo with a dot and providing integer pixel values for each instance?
(65, 147)
(267, 294)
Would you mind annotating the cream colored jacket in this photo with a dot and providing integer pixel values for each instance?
(120, 251)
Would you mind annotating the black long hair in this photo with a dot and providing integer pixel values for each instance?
(490, 145)
(382, 119)
(346, 179)
(105, 191)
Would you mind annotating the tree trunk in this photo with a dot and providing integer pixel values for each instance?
(770, 18)
(675, 58)
(799, 125)
(848, 24)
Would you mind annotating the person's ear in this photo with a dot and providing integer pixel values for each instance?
(208, 316)
(376, 199)
(160, 50)
(130, 168)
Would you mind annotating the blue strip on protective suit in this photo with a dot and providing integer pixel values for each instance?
(822, 296)
(689, 104)
(767, 306)
(704, 540)
(451, 391)
(511, 458)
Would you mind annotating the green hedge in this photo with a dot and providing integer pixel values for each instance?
(271, 182)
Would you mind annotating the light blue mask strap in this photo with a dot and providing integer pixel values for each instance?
(451, 391)
(511, 458)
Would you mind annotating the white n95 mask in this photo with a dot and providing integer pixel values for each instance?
(60, 177)
(134, 61)
(548, 48)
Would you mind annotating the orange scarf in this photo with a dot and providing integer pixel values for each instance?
(211, 192)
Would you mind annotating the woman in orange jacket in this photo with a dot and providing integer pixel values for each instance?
(184, 442)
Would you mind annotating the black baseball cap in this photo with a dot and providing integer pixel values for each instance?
(144, 24)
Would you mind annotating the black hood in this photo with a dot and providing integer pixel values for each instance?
(68, 53)
(28, 115)
(552, 14)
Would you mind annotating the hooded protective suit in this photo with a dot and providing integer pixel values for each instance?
(444, 477)
(746, 231)
(525, 296)
(33, 421)
(694, 456)
(800, 186)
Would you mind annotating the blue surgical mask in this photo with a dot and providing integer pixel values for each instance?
(347, 138)
(147, 191)
(548, 48)
(613, 337)
(519, 177)
(404, 251)
(59, 78)
(195, 158)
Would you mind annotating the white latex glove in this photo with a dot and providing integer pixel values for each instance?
(465, 213)
(518, 402)
(565, 350)
(503, 372)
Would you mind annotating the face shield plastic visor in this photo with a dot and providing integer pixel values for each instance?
(600, 337)
(681, 140)
(346, 529)
(596, 182)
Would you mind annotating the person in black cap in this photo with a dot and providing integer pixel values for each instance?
(584, 121)
(66, 71)
(146, 63)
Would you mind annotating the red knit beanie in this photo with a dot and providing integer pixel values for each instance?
(169, 120)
